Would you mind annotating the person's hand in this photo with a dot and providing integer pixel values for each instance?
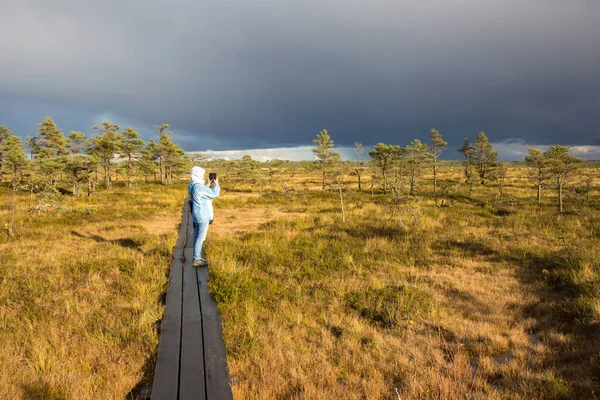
(216, 181)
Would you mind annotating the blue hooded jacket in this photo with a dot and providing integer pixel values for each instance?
(201, 196)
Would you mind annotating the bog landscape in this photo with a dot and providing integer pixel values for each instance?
(395, 275)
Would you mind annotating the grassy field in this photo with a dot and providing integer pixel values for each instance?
(80, 292)
(487, 298)
(483, 298)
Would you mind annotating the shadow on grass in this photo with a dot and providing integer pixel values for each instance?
(468, 248)
(578, 363)
(143, 389)
(467, 304)
(372, 231)
(549, 274)
(41, 391)
(124, 242)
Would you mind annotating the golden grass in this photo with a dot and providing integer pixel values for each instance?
(80, 293)
(488, 298)
(496, 329)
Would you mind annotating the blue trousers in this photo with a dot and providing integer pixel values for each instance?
(200, 230)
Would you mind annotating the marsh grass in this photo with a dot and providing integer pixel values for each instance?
(482, 298)
(487, 298)
(80, 293)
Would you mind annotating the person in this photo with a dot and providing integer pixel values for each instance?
(202, 210)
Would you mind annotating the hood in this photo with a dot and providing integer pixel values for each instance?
(197, 175)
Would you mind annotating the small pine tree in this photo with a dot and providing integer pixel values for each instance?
(322, 150)
(484, 156)
(164, 140)
(499, 175)
(4, 133)
(359, 164)
(537, 163)
(416, 157)
(384, 157)
(468, 151)
(561, 165)
(438, 145)
(340, 172)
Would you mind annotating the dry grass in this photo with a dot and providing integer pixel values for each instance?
(80, 293)
(454, 302)
(486, 299)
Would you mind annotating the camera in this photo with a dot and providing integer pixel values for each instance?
(212, 176)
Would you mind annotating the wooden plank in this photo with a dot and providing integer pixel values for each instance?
(215, 361)
(191, 377)
(166, 373)
(185, 217)
(189, 238)
(191, 359)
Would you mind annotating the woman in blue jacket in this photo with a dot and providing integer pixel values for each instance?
(202, 211)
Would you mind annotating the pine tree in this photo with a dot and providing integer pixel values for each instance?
(484, 156)
(92, 163)
(340, 172)
(468, 151)
(105, 144)
(437, 147)
(4, 133)
(77, 164)
(499, 175)
(31, 143)
(561, 164)
(322, 150)
(149, 160)
(49, 150)
(77, 143)
(359, 164)
(130, 148)
(171, 155)
(164, 137)
(384, 156)
(416, 157)
(538, 165)
(13, 157)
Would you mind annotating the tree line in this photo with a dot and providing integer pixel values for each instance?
(77, 159)
(397, 165)
(111, 151)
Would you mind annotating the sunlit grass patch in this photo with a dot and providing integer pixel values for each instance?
(80, 293)
(406, 298)
(480, 297)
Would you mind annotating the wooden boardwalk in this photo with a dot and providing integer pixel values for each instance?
(191, 361)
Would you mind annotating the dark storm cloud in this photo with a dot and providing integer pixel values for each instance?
(256, 74)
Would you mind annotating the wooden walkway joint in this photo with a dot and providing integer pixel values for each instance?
(191, 362)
